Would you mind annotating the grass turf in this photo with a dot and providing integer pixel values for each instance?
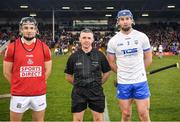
(164, 86)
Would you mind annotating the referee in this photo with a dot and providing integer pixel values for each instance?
(87, 69)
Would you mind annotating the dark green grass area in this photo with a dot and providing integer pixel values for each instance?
(164, 86)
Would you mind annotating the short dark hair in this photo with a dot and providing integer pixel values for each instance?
(86, 30)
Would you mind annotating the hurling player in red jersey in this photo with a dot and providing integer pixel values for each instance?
(27, 65)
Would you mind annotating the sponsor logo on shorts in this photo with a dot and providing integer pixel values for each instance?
(42, 104)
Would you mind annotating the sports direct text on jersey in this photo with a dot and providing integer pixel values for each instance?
(30, 71)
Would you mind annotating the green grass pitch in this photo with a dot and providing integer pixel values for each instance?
(164, 86)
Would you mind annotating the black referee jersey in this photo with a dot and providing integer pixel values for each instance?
(87, 67)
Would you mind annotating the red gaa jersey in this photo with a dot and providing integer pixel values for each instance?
(28, 73)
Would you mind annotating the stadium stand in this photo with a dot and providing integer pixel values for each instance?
(165, 34)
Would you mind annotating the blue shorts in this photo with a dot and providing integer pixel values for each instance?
(133, 91)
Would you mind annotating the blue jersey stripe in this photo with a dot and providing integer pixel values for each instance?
(110, 53)
(146, 49)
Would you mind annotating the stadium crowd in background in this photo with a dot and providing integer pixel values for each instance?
(165, 34)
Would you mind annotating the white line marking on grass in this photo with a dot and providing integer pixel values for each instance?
(106, 113)
(5, 96)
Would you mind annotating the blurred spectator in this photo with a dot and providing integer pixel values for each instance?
(166, 34)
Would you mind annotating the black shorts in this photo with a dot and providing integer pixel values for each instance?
(91, 95)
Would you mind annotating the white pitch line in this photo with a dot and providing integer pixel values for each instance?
(106, 113)
(5, 95)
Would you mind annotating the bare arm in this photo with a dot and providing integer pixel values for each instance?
(105, 77)
(112, 59)
(69, 78)
(7, 70)
(48, 67)
(147, 58)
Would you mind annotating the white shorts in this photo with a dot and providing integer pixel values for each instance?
(20, 104)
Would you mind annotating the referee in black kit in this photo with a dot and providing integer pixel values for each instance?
(87, 69)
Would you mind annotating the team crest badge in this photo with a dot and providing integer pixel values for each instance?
(136, 42)
(30, 61)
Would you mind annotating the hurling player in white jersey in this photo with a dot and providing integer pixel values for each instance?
(129, 54)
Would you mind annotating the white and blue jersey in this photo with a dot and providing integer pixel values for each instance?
(129, 51)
